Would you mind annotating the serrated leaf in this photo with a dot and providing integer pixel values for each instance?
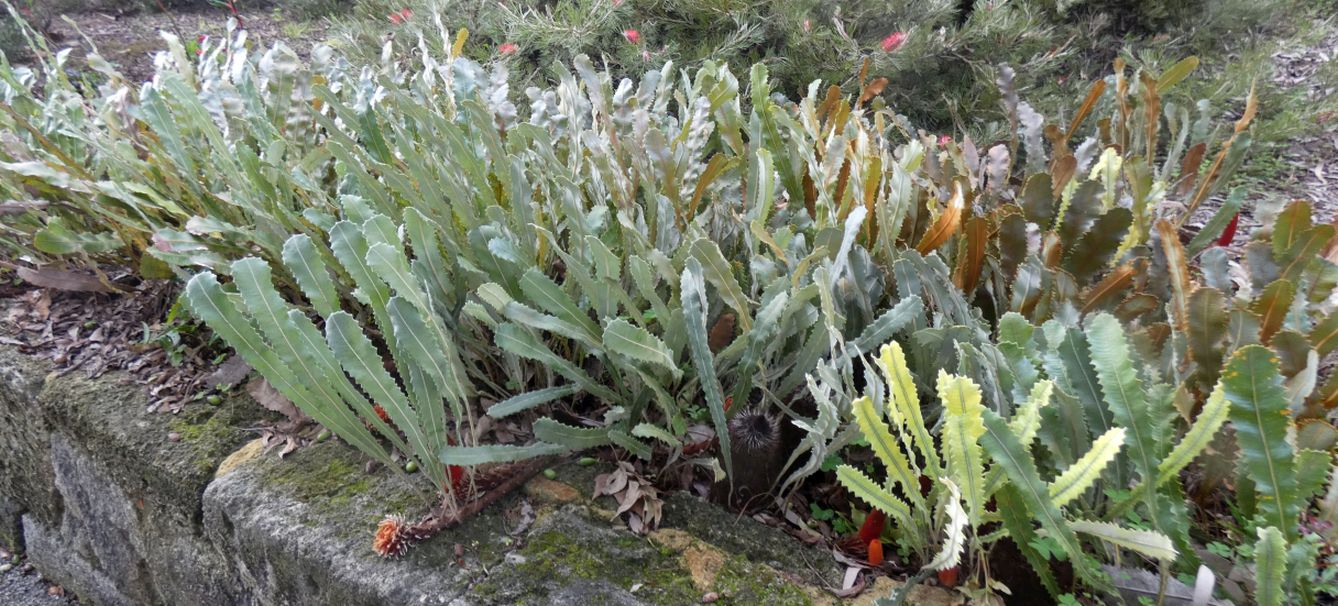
(637, 448)
(209, 303)
(1128, 403)
(904, 402)
(716, 270)
(1218, 223)
(1093, 252)
(517, 340)
(1019, 524)
(1200, 434)
(623, 338)
(1270, 565)
(360, 360)
(1261, 417)
(1288, 227)
(1006, 451)
(652, 431)
(887, 450)
(1176, 73)
(305, 263)
(954, 531)
(692, 297)
(962, 428)
(906, 311)
(1178, 270)
(871, 493)
(1151, 544)
(530, 399)
(576, 438)
(1208, 326)
(1087, 469)
(468, 456)
(1324, 336)
(949, 221)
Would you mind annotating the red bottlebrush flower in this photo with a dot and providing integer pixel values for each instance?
(873, 526)
(392, 537)
(1229, 233)
(381, 413)
(508, 48)
(944, 139)
(617, 3)
(875, 552)
(948, 578)
(632, 36)
(893, 41)
(401, 16)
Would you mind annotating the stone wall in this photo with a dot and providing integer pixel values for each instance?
(106, 505)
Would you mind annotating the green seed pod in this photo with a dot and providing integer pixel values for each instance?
(586, 461)
(549, 473)
(323, 435)
(411, 467)
(214, 400)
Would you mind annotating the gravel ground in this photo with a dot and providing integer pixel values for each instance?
(27, 588)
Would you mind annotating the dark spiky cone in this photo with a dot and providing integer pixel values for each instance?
(755, 447)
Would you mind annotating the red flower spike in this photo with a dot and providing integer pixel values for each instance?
(948, 578)
(875, 552)
(455, 473)
(1229, 233)
(873, 526)
(893, 41)
(632, 36)
(508, 49)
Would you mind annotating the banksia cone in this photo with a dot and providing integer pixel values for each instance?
(394, 537)
(754, 441)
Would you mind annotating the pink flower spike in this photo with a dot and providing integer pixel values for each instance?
(893, 41)
(632, 36)
(944, 139)
(508, 48)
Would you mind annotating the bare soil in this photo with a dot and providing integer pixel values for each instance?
(130, 40)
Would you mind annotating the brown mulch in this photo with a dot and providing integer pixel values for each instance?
(98, 333)
(129, 41)
(1315, 153)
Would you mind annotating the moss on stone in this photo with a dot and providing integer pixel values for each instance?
(742, 582)
(559, 555)
(329, 478)
(211, 433)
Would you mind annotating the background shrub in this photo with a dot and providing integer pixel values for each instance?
(939, 56)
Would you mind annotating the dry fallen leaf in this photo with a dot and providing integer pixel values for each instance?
(265, 395)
